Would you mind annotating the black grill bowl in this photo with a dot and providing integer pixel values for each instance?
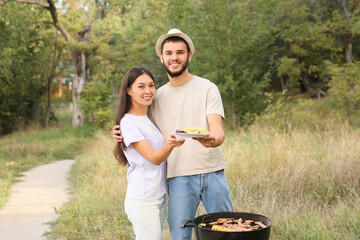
(205, 233)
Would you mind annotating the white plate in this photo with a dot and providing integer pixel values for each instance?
(192, 135)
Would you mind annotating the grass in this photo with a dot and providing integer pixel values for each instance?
(99, 189)
(301, 174)
(35, 146)
(305, 178)
(306, 181)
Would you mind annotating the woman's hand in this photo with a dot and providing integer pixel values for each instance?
(116, 133)
(175, 141)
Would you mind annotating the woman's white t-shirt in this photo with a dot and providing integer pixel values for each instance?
(146, 181)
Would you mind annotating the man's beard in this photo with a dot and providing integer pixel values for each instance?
(176, 74)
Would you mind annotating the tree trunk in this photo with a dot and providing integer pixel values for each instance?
(348, 43)
(348, 38)
(283, 86)
(50, 80)
(100, 10)
(80, 76)
(306, 82)
(48, 106)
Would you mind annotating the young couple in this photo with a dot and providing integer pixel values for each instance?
(194, 172)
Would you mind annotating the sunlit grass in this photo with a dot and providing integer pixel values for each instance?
(99, 190)
(306, 181)
(296, 177)
(34, 146)
(302, 175)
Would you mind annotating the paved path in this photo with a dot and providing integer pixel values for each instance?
(32, 201)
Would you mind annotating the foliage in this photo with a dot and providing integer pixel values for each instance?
(235, 54)
(345, 87)
(24, 56)
(292, 69)
(95, 100)
(284, 46)
(120, 40)
(287, 113)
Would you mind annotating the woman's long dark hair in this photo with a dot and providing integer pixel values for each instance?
(125, 104)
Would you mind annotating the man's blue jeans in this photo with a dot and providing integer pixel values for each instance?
(185, 194)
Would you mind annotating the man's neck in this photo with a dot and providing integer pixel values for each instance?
(180, 80)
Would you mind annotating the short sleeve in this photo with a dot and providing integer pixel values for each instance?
(130, 132)
(214, 102)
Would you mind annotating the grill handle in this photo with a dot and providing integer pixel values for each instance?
(188, 223)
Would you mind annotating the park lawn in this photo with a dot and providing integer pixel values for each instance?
(305, 180)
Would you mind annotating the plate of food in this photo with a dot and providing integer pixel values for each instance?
(195, 132)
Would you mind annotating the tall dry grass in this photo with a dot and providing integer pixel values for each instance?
(299, 164)
(309, 179)
(32, 147)
(98, 196)
(306, 181)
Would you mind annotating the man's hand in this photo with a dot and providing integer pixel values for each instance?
(216, 134)
(116, 133)
(209, 141)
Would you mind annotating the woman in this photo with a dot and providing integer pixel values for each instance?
(144, 151)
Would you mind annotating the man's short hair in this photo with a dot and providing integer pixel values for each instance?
(175, 39)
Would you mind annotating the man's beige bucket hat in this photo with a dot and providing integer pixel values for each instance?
(174, 32)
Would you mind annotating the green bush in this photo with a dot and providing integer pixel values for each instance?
(317, 114)
(95, 102)
(345, 88)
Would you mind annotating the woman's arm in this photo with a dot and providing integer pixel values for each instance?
(157, 157)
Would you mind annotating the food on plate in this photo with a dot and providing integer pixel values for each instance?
(234, 225)
(195, 130)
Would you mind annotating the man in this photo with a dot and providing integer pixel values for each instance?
(196, 171)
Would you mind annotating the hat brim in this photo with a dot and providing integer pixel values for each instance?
(162, 38)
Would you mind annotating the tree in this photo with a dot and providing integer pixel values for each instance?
(54, 63)
(345, 87)
(314, 32)
(345, 23)
(245, 49)
(234, 42)
(24, 51)
(78, 54)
